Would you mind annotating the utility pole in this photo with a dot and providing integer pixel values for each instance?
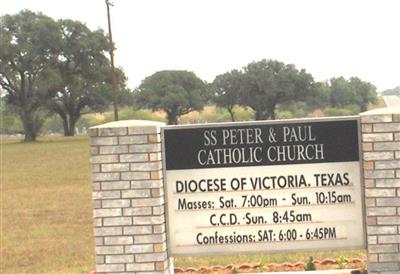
(113, 79)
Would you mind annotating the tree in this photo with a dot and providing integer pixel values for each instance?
(85, 74)
(318, 98)
(365, 93)
(226, 88)
(29, 44)
(320, 95)
(341, 93)
(177, 92)
(269, 83)
(351, 92)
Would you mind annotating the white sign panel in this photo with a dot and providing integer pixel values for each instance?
(263, 187)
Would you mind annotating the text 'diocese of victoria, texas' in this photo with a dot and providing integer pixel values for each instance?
(263, 187)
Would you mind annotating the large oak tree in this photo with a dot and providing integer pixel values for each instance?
(58, 66)
(29, 43)
(177, 92)
(268, 83)
(84, 71)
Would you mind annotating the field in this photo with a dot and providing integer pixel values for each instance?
(46, 207)
(47, 213)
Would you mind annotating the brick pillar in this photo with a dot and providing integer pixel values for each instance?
(128, 198)
(381, 154)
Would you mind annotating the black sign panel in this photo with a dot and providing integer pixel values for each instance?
(261, 144)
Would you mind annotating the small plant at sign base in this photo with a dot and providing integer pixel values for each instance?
(263, 265)
(342, 262)
(310, 265)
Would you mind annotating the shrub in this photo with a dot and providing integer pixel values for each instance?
(284, 114)
(310, 265)
(346, 111)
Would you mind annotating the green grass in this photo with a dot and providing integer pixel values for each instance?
(47, 212)
(46, 207)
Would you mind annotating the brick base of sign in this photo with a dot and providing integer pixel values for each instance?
(381, 162)
(128, 198)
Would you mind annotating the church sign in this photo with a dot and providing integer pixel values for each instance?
(263, 187)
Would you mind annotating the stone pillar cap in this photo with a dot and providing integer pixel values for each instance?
(378, 111)
(130, 123)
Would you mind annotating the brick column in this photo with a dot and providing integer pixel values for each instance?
(128, 198)
(381, 154)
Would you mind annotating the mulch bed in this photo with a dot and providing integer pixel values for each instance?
(325, 264)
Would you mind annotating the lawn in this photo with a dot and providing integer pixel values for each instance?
(47, 212)
(46, 207)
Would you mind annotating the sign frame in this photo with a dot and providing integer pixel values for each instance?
(255, 123)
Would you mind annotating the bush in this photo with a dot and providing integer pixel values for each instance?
(346, 111)
(243, 113)
(310, 265)
(284, 115)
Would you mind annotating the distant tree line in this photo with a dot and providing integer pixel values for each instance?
(262, 86)
(61, 67)
(394, 91)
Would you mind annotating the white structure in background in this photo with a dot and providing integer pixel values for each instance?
(392, 100)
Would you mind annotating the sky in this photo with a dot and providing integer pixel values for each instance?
(329, 38)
